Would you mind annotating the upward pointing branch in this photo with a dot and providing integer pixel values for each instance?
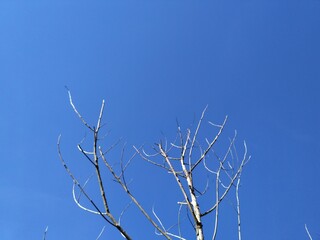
(76, 111)
(210, 145)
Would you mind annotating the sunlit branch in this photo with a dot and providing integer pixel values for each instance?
(210, 145)
(146, 157)
(216, 222)
(165, 156)
(238, 209)
(307, 230)
(195, 137)
(179, 216)
(243, 162)
(100, 117)
(80, 206)
(124, 210)
(75, 181)
(134, 200)
(76, 111)
(45, 233)
(101, 232)
(85, 154)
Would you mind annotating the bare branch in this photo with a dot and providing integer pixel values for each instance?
(205, 188)
(238, 208)
(100, 117)
(45, 233)
(243, 162)
(75, 181)
(124, 210)
(124, 168)
(101, 232)
(112, 146)
(179, 215)
(195, 136)
(84, 185)
(78, 202)
(85, 154)
(146, 156)
(176, 236)
(134, 200)
(305, 226)
(112, 221)
(156, 216)
(76, 111)
(215, 231)
(211, 144)
(165, 156)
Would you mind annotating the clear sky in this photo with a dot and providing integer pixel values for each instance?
(154, 62)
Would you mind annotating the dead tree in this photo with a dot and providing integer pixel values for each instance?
(185, 157)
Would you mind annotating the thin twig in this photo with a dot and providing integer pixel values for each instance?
(238, 208)
(100, 234)
(45, 233)
(216, 222)
(100, 117)
(78, 202)
(156, 216)
(76, 111)
(85, 154)
(179, 224)
(243, 162)
(112, 221)
(145, 157)
(84, 186)
(195, 136)
(211, 144)
(124, 210)
(134, 200)
(76, 182)
(309, 235)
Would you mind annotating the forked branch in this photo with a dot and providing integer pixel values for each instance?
(184, 172)
(181, 159)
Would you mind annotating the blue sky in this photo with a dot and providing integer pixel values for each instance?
(154, 62)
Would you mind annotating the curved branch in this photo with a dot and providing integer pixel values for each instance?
(76, 111)
(134, 200)
(112, 222)
(78, 203)
(243, 162)
(211, 144)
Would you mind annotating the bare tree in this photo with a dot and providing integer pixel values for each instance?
(186, 157)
